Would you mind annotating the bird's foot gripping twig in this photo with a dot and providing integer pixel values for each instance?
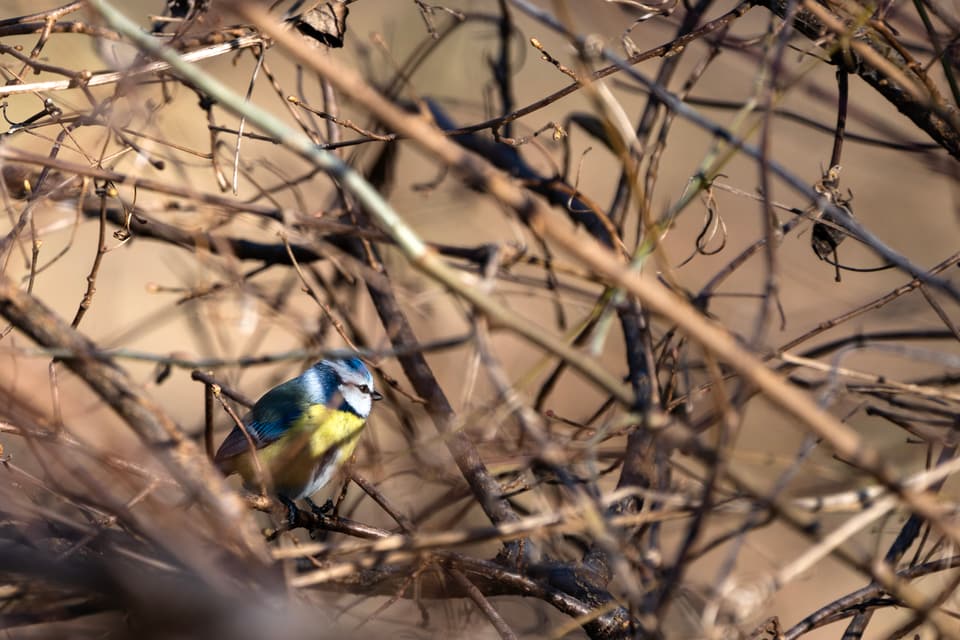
(293, 512)
(323, 511)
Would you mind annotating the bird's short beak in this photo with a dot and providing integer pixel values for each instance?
(376, 395)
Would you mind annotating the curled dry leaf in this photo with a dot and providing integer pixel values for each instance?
(325, 23)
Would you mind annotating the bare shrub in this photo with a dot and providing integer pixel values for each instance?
(647, 374)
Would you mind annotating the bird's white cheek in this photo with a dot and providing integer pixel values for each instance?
(360, 401)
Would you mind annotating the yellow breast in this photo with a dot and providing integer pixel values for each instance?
(305, 457)
(329, 428)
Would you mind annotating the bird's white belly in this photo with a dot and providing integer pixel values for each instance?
(322, 475)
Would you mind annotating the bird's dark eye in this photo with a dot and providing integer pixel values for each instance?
(364, 389)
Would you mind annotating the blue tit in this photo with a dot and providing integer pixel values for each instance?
(301, 431)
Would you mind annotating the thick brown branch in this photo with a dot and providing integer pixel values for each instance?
(872, 59)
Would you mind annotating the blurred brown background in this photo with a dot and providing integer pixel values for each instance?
(908, 199)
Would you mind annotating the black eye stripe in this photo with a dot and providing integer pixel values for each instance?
(362, 388)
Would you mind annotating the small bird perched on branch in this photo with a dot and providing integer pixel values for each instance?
(300, 432)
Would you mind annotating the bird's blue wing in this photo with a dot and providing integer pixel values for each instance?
(270, 417)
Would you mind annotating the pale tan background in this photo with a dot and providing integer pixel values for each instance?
(909, 201)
